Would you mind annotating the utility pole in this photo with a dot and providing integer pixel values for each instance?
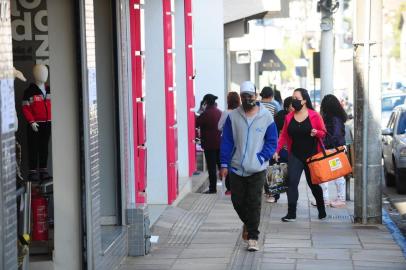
(367, 109)
(327, 9)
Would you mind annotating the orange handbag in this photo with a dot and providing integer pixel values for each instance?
(329, 165)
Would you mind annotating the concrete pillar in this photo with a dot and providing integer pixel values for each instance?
(367, 100)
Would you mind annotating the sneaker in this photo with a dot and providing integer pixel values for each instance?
(270, 199)
(326, 203)
(228, 192)
(323, 215)
(288, 218)
(244, 234)
(338, 204)
(253, 245)
(209, 192)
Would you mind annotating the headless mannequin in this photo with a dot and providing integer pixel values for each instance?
(37, 112)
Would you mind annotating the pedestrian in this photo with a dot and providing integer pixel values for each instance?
(233, 102)
(210, 137)
(248, 141)
(277, 95)
(267, 99)
(279, 121)
(302, 131)
(334, 117)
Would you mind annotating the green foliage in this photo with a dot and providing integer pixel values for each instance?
(397, 31)
(288, 53)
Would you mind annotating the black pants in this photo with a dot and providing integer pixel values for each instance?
(295, 169)
(246, 195)
(213, 162)
(38, 146)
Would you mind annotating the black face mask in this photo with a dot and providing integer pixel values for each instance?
(297, 104)
(248, 104)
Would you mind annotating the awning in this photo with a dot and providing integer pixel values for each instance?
(270, 62)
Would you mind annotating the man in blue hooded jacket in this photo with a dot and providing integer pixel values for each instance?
(249, 140)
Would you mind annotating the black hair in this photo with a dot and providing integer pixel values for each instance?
(233, 100)
(286, 103)
(331, 107)
(278, 96)
(306, 97)
(267, 92)
(210, 101)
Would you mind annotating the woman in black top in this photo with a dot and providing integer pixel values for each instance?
(301, 133)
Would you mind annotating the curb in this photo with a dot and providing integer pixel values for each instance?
(394, 230)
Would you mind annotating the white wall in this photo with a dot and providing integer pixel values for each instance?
(209, 49)
(157, 185)
(181, 94)
(65, 134)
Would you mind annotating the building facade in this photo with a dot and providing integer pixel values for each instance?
(125, 77)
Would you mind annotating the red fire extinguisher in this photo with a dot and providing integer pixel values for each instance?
(39, 217)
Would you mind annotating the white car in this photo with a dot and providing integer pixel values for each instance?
(394, 149)
(390, 100)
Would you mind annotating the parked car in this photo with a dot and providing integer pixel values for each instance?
(394, 150)
(390, 100)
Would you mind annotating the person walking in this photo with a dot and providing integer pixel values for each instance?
(302, 131)
(248, 142)
(233, 102)
(334, 117)
(267, 99)
(210, 137)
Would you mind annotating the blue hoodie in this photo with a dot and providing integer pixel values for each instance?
(245, 147)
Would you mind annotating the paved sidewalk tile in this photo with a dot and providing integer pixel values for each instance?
(204, 233)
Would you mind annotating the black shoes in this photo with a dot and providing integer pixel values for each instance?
(289, 218)
(209, 192)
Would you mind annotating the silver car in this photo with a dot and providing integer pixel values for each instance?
(394, 149)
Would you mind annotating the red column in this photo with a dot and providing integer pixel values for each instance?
(170, 97)
(138, 97)
(190, 92)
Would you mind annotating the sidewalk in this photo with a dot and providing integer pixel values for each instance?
(203, 232)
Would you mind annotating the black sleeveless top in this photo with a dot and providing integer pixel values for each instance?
(303, 145)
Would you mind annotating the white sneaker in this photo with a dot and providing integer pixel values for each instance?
(253, 245)
(270, 199)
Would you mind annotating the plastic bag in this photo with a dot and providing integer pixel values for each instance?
(277, 177)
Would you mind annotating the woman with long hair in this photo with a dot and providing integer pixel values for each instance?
(334, 117)
(302, 133)
(233, 102)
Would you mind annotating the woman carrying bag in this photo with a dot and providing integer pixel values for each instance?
(334, 117)
(302, 132)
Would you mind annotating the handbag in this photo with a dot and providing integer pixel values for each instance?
(328, 165)
(276, 178)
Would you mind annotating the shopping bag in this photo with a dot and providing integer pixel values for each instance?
(276, 178)
(329, 165)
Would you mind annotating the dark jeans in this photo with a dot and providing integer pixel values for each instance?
(246, 195)
(228, 182)
(213, 161)
(38, 146)
(295, 169)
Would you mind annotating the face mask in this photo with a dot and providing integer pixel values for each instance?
(248, 104)
(297, 104)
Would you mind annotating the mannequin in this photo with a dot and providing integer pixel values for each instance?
(18, 75)
(37, 112)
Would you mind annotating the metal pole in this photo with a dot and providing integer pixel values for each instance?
(326, 50)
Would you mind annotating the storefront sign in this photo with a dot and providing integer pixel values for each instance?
(30, 31)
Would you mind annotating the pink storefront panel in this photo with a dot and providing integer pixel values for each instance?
(190, 85)
(138, 95)
(170, 97)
